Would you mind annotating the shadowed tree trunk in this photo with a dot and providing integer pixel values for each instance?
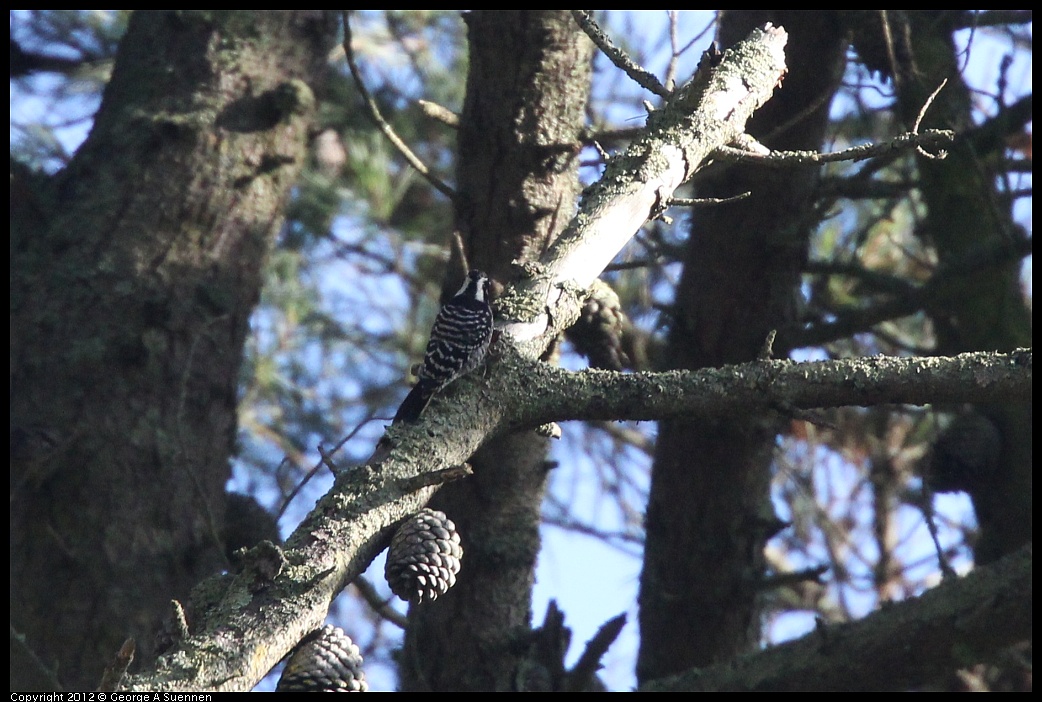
(709, 512)
(518, 158)
(134, 273)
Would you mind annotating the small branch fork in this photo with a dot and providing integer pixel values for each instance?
(929, 139)
(742, 151)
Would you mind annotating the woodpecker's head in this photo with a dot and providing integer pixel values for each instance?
(475, 286)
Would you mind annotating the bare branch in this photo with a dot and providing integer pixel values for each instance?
(381, 123)
(117, 668)
(703, 201)
(795, 577)
(931, 138)
(563, 395)
(638, 184)
(641, 77)
(325, 460)
(581, 676)
(379, 604)
(919, 120)
(909, 300)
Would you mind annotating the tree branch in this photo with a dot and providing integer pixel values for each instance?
(641, 77)
(637, 186)
(559, 394)
(929, 138)
(382, 124)
(934, 294)
(906, 644)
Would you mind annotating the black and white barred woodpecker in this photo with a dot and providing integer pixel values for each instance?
(459, 342)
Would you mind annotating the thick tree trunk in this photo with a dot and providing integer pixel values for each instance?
(709, 511)
(134, 273)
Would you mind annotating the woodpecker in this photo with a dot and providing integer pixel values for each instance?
(459, 341)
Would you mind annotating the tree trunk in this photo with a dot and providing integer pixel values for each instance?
(518, 159)
(134, 273)
(709, 511)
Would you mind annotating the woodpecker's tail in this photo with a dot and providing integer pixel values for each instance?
(414, 403)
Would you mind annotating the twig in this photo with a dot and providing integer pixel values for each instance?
(671, 69)
(891, 52)
(581, 675)
(439, 113)
(767, 350)
(381, 123)
(631, 265)
(922, 113)
(785, 159)
(641, 77)
(777, 580)
(461, 250)
(325, 460)
(177, 624)
(820, 101)
(590, 137)
(378, 603)
(847, 321)
(116, 669)
(925, 505)
(701, 201)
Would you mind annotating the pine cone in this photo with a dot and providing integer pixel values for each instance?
(424, 557)
(597, 334)
(326, 660)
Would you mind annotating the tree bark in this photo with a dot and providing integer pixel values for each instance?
(709, 512)
(900, 647)
(517, 179)
(134, 273)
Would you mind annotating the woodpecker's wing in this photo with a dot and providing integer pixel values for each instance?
(459, 340)
(458, 344)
